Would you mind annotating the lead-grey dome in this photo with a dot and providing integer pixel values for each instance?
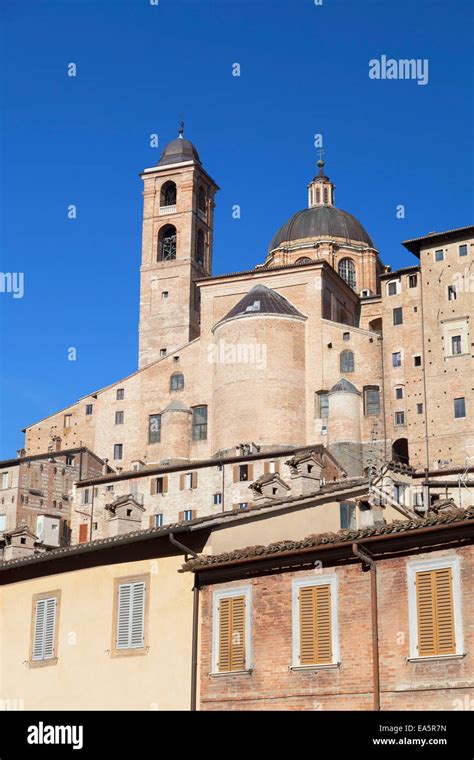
(179, 150)
(261, 300)
(321, 221)
(344, 386)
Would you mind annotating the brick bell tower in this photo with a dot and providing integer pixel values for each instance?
(178, 218)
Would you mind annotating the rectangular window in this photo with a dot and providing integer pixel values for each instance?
(119, 418)
(231, 631)
(412, 280)
(434, 608)
(120, 394)
(452, 293)
(419, 408)
(397, 359)
(188, 514)
(456, 345)
(315, 636)
(463, 250)
(130, 604)
(154, 428)
(398, 316)
(323, 399)
(164, 295)
(89, 408)
(163, 351)
(217, 499)
(67, 420)
(44, 633)
(439, 255)
(346, 336)
(347, 513)
(459, 407)
(243, 472)
(4, 479)
(417, 360)
(159, 485)
(371, 401)
(69, 460)
(392, 288)
(398, 393)
(157, 521)
(3, 522)
(243, 504)
(86, 496)
(199, 423)
(399, 419)
(118, 451)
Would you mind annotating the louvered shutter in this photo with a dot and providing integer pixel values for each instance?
(194, 480)
(231, 634)
(434, 601)
(266, 468)
(131, 615)
(315, 625)
(250, 472)
(236, 473)
(44, 629)
(165, 484)
(181, 482)
(152, 486)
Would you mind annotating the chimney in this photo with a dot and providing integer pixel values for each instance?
(105, 468)
(20, 542)
(126, 515)
(306, 473)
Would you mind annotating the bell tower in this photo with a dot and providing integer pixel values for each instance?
(178, 219)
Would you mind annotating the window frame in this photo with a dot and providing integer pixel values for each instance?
(399, 424)
(245, 591)
(56, 594)
(118, 420)
(394, 354)
(397, 316)
(122, 580)
(460, 416)
(201, 426)
(366, 390)
(155, 432)
(439, 258)
(118, 446)
(315, 580)
(414, 567)
(464, 246)
(346, 359)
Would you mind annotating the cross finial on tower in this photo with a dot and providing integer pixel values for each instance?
(321, 154)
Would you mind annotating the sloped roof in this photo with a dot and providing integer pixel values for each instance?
(344, 386)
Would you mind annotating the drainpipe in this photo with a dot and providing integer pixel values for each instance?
(195, 631)
(364, 558)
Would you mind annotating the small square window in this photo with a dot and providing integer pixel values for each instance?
(346, 336)
(163, 351)
(120, 394)
(463, 250)
(397, 359)
(459, 408)
(188, 514)
(452, 293)
(439, 255)
(243, 504)
(412, 280)
(398, 316)
(398, 393)
(164, 295)
(419, 408)
(89, 408)
(399, 419)
(417, 360)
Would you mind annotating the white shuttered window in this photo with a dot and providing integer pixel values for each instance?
(130, 632)
(44, 628)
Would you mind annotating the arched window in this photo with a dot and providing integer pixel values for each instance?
(303, 260)
(347, 361)
(326, 197)
(200, 247)
(347, 271)
(168, 194)
(177, 381)
(318, 195)
(202, 200)
(167, 243)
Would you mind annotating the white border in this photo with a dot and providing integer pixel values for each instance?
(315, 580)
(235, 591)
(412, 569)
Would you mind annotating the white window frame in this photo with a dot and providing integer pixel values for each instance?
(315, 580)
(225, 594)
(397, 284)
(217, 499)
(188, 512)
(4, 480)
(412, 569)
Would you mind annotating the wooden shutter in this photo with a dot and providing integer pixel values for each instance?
(315, 625)
(165, 484)
(44, 629)
(180, 516)
(266, 468)
(194, 480)
(152, 521)
(231, 655)
(152, 486)
(236, 473)
(181, 481)
(434, 602)
(83, 531)
(250, 471)
(131, 616)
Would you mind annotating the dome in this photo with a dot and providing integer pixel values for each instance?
(261, 300)
(179, 150)
(321, 221)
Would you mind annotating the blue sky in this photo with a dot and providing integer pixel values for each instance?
(84, 140)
